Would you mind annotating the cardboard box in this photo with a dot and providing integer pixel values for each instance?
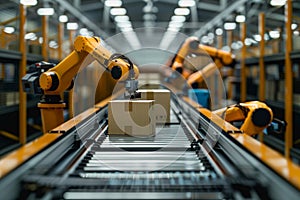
(131, 117)
(161, 99)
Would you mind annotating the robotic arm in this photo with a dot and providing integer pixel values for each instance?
(256, 116)
(193, 46)
(51, 81)
(57, 79)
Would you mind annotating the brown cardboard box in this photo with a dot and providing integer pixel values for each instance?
(131, 117)
(161, 99)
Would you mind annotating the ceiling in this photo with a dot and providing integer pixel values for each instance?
(204, 17)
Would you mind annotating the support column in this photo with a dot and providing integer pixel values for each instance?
(288, 80)
(22, 72)
(262, 73)
(243, 65)
(45, 37)
(60, 30)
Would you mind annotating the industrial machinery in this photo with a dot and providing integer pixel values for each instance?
(192, 46)
(51, 81)
(197, 155)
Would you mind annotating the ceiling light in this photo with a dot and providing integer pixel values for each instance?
(149, 17)
(240, 18)
(294, 26)
(41, 40)
(210, 36)
(178, 18)
(182, 11)
(296, 33)
(113, 3)
(274, 34)
(219, 31)
(28, 2)
(63, 18)
(72, 26)
(173, 29)
(175, 24)
(257, 37)
(186, 3)
(124, 24)
(204, 39)
(45, 11)
(229, 25)
(53, 44)
(277, 2)
(29, 36)
(121, 18)
(248, 42)
(9, 29)
(126, 29)
(266, 37)
(84, 31)
(118, 11)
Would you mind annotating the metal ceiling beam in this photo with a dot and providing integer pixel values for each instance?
(83, 19)
(209, 7)
(91, 6)
(218, 18)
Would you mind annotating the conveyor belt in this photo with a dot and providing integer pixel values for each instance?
(177, 163)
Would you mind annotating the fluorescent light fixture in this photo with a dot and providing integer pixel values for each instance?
(219, 31)
(173, 29)
(126, 29)
(274, 34)
(294, 26)
(63, 18)
(53, 44)
(113, 3)
(205, 39)
(9, 29)
(240, 18)
(149, 17)
(121, 18)
(28, 2)
(175, 24)
(45, 11)
(29, 36)
(182, 11)
(296, 33)
(266, 37)
(186, 3)
(277, 2)
(72, 26)
(229, 25)
(178, 18)
(257, 37)
(118, 11)
(124, 24)
(248, 41)
(84, 31)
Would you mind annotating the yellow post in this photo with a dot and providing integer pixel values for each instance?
(45, 37)
(71, 110)
(22, 72)
(60, 40)
(230, 73)
(288, 79)
(262, 73)
(243, 65)
(220, 83)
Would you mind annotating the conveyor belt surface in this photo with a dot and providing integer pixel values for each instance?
(179, 162)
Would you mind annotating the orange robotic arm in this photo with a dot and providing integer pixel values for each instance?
(57, 79)
(256, 116)
(192, 46)
(54, 81)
